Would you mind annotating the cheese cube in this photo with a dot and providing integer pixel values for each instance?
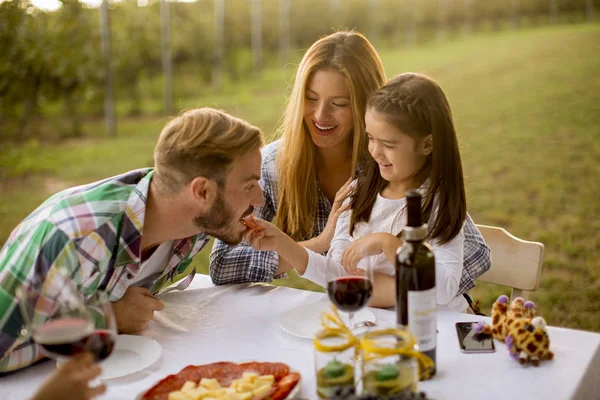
(210, 384)
(236, 382)
(249, 376)
(198, 393)
(262, 392)
(187, 386)
(223, 391)
(231, 396)
(245, 387)
(179, 396)
(264, 380)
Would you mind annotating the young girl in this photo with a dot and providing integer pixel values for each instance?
(305, 173)
(412, 145)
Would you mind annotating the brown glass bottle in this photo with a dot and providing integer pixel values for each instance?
(415, 279)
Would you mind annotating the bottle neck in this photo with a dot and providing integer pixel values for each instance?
(415, 233)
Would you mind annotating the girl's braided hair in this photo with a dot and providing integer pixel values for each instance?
(418, 107)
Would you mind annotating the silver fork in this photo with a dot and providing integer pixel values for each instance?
(180, 286)
(362, 324)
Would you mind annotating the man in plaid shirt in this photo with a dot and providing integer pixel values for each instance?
(241, 263)
(133, 234)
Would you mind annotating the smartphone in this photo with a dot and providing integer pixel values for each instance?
(468, 344)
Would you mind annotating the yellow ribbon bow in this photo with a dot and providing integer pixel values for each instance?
(333, 326)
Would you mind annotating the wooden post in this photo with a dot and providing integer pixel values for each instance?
(515, 6)
(589, 10)
(411, 26)
(167, 61)
(256, 36)
(284, 30)
(335, 7)
(468, 22)
(442, 19)
(373, 21)
(553, 11)
(219, 43)
(109, 93)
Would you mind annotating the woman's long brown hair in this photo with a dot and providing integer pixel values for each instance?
(353, 56)
(418, 107)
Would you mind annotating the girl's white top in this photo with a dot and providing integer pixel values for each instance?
(390, 216)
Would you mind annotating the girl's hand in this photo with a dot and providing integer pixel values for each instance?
(71, 381)
(366, 246)
(337, 208)
(265, 236)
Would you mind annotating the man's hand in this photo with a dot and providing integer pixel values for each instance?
(135, 309)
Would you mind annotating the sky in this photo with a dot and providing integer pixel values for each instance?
(53, 5)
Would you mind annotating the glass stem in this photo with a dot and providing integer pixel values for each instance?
(351, 320)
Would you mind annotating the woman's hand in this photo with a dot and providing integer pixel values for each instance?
(71, 381)
(265, 237)
(337, 208)
(369, 245)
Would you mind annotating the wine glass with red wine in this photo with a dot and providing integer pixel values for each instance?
(56, 319)
(64, 324)
(102, 340)
(350, 291)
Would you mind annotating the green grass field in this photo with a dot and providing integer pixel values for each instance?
(527, 109)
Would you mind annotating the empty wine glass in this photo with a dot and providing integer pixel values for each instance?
(350, 291)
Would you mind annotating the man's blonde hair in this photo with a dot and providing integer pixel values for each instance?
(201, 142)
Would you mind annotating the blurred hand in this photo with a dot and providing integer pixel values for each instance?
(366, 246)
(337, 208)
(266, 237)
(71, 381)
(135, 309)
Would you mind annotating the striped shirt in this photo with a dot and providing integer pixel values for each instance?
(241, 263)
(92, 234)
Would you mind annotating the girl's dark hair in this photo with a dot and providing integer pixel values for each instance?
(418, 107)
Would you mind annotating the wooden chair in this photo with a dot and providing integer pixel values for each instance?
(516, 263)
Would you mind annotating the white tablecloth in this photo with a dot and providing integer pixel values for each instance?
(205, 324)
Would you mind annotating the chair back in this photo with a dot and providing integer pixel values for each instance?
(516, 263)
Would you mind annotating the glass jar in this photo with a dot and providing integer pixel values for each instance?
(335, 352)
(388, 361)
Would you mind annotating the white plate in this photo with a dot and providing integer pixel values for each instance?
(304, 321)
(131, 354)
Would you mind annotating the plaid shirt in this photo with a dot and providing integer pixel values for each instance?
(93, 235)
(241, 263)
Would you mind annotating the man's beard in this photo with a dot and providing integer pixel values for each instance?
(219, 221)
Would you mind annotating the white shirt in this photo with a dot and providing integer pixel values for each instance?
(389, 216)
(154, 265)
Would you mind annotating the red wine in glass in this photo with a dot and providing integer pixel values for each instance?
(63, 337)
(100, 343)
(350, 293)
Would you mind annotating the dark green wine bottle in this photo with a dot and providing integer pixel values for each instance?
(415, 279)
